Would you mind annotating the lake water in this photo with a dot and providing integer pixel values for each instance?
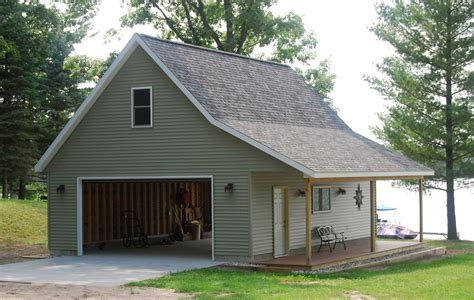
(434, 209)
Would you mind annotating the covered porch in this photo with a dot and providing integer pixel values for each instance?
(356, 248)
(358, 251)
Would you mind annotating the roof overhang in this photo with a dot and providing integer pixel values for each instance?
(137, 41)
(134, 42)
(373, 176)
(86, 105)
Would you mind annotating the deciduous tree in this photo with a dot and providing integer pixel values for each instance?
(239, 26)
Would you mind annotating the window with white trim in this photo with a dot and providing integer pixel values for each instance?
(142, 107)
(321, 199)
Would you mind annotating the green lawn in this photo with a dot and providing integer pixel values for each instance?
(22, 222)
(451, 277)
(453, 245)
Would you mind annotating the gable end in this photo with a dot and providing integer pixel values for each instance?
(134, 42)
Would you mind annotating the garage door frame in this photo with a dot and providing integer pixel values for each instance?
(80, 221)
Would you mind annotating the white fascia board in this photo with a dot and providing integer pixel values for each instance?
(217, 123)
(86, 105)
(110, 74)
(373, 174)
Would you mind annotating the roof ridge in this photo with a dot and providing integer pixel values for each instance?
(213, 50)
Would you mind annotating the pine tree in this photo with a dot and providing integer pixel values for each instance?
(429, 82)
(37, 94)
(60, 91)
(25, 32)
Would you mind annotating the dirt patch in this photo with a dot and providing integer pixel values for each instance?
(355, 295)
(48, 291)
(19, 253)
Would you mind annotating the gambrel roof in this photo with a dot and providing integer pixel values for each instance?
(265, 104)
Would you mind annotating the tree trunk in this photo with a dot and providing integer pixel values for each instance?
(22, 188)
(451, 212)
(5, 187)
(452, 229)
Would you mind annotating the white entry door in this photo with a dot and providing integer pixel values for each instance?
(279, 222)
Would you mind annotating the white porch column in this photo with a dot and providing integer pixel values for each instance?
(373, 214)
(308, 221)
(420, 192)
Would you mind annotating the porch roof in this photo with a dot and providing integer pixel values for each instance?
(265, 104)
(270, 104)
(333, 152)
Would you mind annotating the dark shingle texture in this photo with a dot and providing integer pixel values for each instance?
(327, 150)
(272, 104)
(239, 88)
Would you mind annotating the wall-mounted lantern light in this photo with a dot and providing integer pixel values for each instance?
(61, 189)
(300, 193)
(358, 197)
(229, 188)
(341, 191)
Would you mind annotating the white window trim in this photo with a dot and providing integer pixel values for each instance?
(312, 199)
(137, 41)
(132, 108)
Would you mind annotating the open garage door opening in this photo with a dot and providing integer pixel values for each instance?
(150, 214)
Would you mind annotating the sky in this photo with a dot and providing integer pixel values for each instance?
(342, 29)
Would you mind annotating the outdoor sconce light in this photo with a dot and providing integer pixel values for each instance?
(341, 191)
(300, 193)
(229, 188)
(61, 189)
(358, 197)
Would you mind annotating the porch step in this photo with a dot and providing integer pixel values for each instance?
(413, 252)
(384, 258)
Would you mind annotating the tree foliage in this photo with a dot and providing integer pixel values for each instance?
(26, 31)
(37, 95)
(238, 26)
(429, 82)
(87, 70)
(61, 93)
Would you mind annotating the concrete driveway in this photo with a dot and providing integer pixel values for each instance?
(112, 267)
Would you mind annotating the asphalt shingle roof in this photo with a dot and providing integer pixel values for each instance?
(271, 103)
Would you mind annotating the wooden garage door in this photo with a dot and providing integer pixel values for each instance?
(153, 203)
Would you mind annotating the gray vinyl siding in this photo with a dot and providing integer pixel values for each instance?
(181, 143)
(344, 214)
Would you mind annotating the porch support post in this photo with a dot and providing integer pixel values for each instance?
(308, 221)
(420, 192)
(373, 214)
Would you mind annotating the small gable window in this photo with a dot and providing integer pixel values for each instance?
(321, 199)
(142, 107)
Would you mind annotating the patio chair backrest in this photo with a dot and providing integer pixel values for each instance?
(325, 231)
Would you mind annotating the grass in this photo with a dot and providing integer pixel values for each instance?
(22, 222)
(451, 277)
(453, 245)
